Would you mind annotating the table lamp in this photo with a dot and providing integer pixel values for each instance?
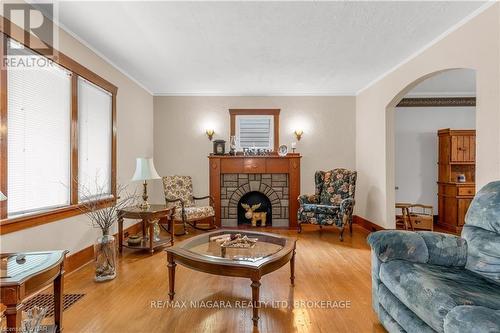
(2, 197)
(145, 170)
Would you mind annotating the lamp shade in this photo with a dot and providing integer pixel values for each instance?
(2, 197)
(145, 169)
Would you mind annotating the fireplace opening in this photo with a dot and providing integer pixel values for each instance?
(254, 206)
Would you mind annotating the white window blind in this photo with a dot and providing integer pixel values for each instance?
(39, 122)
(94, 139)
(255, 131)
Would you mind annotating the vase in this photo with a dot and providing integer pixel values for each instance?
(105, 258)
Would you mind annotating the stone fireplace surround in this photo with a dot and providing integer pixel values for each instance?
(273, 186)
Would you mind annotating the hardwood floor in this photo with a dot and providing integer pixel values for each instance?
(326, 270)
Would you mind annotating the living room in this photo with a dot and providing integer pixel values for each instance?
(232, 166)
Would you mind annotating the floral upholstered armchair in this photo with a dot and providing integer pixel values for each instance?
(179, 194)
(333, 202)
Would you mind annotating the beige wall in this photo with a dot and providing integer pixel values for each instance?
(181, 146)
(474, 45)
(134, 138)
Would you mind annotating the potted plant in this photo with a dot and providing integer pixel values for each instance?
(103, 216)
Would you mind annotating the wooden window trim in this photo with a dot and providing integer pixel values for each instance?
(7, 225)
(257, 112)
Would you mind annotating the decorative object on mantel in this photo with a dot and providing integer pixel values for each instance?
(298, 134)
(210, 134)
(293, 145)
(282, 150)
(104, 218)
(33, 319)
(144, 171)
(256, 151)
(232, 145)
(219, 147)
(2, 197)
(251, 214)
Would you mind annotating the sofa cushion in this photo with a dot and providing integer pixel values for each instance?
(466, 318)
(484, 210)
(431, 291)
(483, 252)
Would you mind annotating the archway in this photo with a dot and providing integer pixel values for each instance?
(390, 113)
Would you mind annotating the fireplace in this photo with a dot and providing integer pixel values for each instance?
(271, 180)
(256, 205)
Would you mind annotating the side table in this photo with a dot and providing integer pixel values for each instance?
(27, 276)
(149, 217)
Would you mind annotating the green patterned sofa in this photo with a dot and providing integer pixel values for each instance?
(434, 282)
(333, 201)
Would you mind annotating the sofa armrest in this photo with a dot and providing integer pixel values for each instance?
(445, 249)
(390, 245)
(347, 206)
(468, 318)
(424, 246)
(308, 199)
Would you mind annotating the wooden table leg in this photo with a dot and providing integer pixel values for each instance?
(58, 300)
(151, 236)
(171, 228)
(292, 269)
(144, 228)
(13, 316)
(120, 233)
(171, 275)
(255, 300)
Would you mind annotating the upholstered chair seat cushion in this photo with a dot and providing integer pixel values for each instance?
(432, 291)
(194, 213)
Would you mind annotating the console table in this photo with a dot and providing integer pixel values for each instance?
(28, 276)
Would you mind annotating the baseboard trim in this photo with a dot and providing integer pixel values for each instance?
(81, 258)
(368, 225)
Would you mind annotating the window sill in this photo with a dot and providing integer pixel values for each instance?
(33, 220)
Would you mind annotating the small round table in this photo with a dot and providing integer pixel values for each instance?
(154, 214)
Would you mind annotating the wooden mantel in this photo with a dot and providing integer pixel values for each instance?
(225, 164)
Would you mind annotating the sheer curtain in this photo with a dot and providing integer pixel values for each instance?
(94, 139)
(39, 122)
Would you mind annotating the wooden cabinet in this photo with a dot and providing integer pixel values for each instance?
(457, 155)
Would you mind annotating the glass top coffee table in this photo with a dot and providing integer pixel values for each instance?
(204, 254)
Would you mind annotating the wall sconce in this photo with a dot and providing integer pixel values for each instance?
(210, 133)
(298, 134)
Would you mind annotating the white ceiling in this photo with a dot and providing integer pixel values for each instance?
(259, 48)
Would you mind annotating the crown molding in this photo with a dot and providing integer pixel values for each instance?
(450, 30)
(269, 94)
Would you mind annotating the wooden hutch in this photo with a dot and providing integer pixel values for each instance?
(457, 156)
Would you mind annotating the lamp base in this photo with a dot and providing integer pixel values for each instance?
(144, 205)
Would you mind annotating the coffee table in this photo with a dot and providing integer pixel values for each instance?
(271, 252)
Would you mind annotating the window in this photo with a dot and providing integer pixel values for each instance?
(58, 134)
(38, 138)
(254, 131)
(94, 138)
(257, 128)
